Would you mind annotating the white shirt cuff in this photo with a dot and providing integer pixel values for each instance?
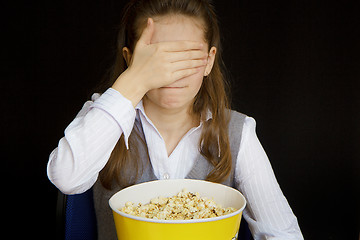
(119, 108)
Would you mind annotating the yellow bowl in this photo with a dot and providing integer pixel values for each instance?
(130, 227)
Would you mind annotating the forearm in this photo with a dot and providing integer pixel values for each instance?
(82, 153)
(88, 142)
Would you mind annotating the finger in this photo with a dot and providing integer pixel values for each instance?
(180, 65)
(148, 32)
(187, 55)
(179, 46)
(184, 73)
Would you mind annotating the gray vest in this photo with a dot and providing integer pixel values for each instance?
(200, 170)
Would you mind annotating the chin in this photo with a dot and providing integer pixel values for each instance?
(171, 98)
(172, 103)
(169, 102)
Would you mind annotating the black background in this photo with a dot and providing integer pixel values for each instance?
(294, 67)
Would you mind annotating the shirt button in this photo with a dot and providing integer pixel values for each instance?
(166, 176)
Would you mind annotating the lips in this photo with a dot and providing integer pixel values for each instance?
(172, 87)
(177, 84)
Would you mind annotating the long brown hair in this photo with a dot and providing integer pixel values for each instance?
(214, 141)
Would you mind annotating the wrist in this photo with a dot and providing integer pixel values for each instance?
(128, 86)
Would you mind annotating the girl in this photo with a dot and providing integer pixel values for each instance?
(164, 113)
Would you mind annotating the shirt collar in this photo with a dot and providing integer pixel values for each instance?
(140, 107)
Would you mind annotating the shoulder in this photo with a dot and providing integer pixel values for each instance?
(241, 124)
(236, 127)
(237, 119)
(236, 114)
(241, 118)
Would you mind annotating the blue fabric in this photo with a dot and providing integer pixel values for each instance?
(80, 219)
(244, 232)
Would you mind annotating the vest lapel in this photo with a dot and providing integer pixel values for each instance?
(148, 170)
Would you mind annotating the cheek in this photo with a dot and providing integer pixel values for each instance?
(190, 82)
(197, 76)
(195, 81)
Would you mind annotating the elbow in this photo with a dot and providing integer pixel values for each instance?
(66, 186)
(61, 177)
(62, 183)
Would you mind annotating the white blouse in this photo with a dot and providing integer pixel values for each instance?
(74, 165)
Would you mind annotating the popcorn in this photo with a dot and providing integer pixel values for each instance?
(183, 206)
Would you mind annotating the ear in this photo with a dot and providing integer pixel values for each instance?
(127, 55)
(210, 61)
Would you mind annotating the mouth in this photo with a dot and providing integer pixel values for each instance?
(179, 84)
(172, 87)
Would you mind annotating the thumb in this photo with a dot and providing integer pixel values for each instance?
(147, 34)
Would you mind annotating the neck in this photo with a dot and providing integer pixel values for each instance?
(168, 120)
(172, 124)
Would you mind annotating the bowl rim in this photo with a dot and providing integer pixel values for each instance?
(143, 219)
